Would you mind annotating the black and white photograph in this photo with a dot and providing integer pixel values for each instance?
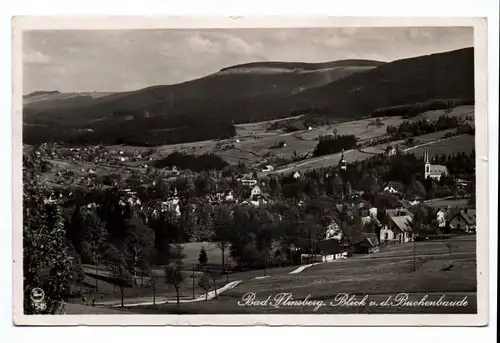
(254, 170)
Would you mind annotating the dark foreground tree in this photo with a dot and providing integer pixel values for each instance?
(46, 263)
(205, 283)
(153, 284)
(122, 279)
(174, 278)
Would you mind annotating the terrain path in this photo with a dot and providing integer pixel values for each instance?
(210, 296)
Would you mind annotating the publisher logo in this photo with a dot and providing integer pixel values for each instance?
(37, 295)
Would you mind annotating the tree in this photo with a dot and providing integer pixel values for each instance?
(205, 283)
(46, 263)
(203, 258)
(153, 284)
(222, 222)
(121, 278)
(94, 237)
(174, 278)
(138, 245)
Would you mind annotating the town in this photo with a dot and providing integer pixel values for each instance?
(129, 200)
(353, 176)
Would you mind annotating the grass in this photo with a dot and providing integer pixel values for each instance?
(378, 276)
(463, 143)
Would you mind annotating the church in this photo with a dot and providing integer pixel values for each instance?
(434, 171)
(343, 162)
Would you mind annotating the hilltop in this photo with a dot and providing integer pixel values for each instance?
(207, 108)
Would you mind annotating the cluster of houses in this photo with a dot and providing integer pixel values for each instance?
(395, 227)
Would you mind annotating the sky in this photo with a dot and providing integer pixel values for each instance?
(124, 60)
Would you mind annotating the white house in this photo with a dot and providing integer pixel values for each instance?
(390, 151)
(296, 175)
(171, 205)
(268, 168)
(248, 182)
(398, 227)
(441, 217)
(333, 231)
(256, 191)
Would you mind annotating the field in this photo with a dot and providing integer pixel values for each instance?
(463, 143)
(444, 267)
(255, 144)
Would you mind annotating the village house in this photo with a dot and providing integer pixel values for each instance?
(394, 188)
(247, 181)
(433, 171)
(397, 226)
(170, 172)
(442, 216)
(364, 243)
(296, 175)
(171, 205)
(390, 151)
(268, 168)
(460, 183)
(465, 220)
(255, 191)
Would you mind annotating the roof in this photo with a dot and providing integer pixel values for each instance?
(469, 217)
(402, 223)
(405, 204)
(398, 212)
(437, 169)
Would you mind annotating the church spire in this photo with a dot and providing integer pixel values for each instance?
(343, 163)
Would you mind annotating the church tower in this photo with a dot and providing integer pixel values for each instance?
(342, 163)
(427, 165)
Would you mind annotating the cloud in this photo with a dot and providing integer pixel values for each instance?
(237, 46)
(35, 57)
(116, 60)
(200, 44)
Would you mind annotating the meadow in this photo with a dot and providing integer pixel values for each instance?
(441, 267)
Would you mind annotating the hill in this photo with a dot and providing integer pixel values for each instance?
(239, 94)
(447, 75)
(207, 108)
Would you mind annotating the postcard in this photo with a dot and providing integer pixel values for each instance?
(250, 171)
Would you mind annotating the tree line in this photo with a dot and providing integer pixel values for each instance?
(334, 144)
(414, 109)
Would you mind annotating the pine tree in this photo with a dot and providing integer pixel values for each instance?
(203, 258)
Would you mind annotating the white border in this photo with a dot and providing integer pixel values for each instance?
(480, 43)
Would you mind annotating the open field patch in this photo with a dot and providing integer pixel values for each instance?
(377, 279)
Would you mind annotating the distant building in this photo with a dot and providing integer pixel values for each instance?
(390, 151)
(296, 175)
(248, 182)
(464, 220)
(268, 168)
(343, 162)
(256, 191)
(442, 216)
(397, 228)
(434, 171)
(394, 188)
